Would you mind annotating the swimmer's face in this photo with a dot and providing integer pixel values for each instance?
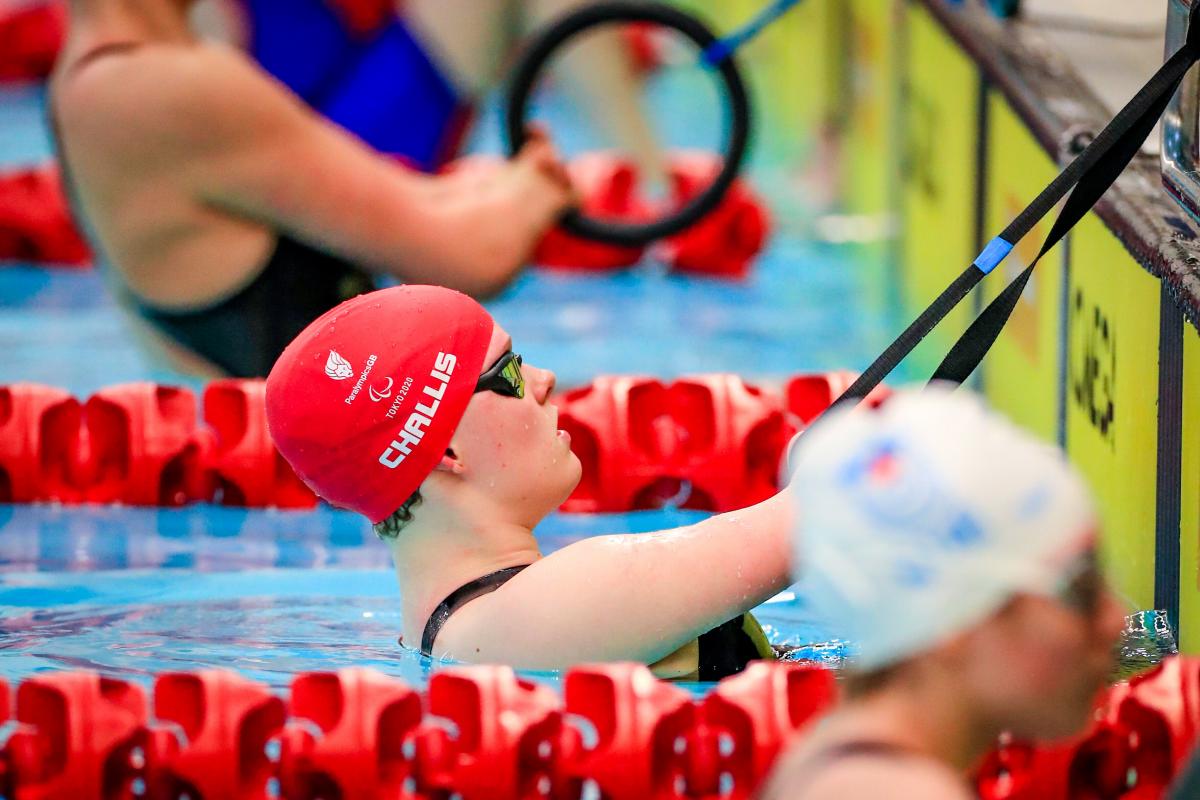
(1041, 662)
(511, 449)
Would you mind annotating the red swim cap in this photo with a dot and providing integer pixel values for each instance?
(363, 403)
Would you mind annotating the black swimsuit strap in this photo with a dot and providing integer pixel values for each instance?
(103, 50)
(459, 598)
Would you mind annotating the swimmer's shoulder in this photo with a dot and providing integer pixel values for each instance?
(169, 96)
(805, 775)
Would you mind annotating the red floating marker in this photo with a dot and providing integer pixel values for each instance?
(39, 439)
(31, 34)
(247, 468)
(1094, 764)
(1159, 716)
(734, 438)
(1021, 771)
(643, 45)
(752, 715)
(807, 396)
(637, 724)
(710, 442)
(505, 734)
(362, 717)
(142, 447)
(226, 722)
(725, 242)
(35, 219)
(607, 188)
(78, 734)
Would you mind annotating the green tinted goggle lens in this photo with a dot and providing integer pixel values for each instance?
(504, 377)
(512, 374)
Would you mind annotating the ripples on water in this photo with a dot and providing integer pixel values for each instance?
(136, 592)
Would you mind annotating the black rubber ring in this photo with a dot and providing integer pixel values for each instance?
(543, 47)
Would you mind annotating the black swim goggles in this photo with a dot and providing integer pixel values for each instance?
(504, 377)
(1082, 587)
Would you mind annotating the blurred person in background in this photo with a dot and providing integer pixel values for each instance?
(960, 554)
(407, 76)
(230, 214)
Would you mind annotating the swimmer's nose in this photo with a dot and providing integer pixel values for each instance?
(543, 382)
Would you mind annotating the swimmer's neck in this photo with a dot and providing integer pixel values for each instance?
(927, 713)
(132, 20)
(443, 549)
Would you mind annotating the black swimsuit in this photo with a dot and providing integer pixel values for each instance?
(724, 651)
(244, 333)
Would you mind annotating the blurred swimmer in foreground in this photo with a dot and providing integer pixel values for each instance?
(409, 406)
(960, 554)
(232, 215)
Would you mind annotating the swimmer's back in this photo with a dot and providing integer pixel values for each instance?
(188, 162)
(137, 127)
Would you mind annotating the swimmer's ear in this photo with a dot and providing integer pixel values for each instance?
(450, 463)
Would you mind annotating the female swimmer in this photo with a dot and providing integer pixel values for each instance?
(232, 215)
(960, 554)
(409, 406)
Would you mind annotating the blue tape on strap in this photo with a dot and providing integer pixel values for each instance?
(724, 47)
(996, 251)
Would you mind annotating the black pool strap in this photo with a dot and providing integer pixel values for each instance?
(1086, 178)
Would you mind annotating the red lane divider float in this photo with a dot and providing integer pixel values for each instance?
(479, 732)
(138, 445)
(726, 241)
(36, 223)
(77, 737)
(1140, 738)
(710, 442)
(246, 467)
(607, 188)
(482, 732)
(35, 219)
(723, 244)
(39, 435)
(345, 738)
(31, 35)
(211, 735)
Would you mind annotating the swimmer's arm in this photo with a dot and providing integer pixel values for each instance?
(242, 143)
(628, 597)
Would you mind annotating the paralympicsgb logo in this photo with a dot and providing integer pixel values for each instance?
(337, 367)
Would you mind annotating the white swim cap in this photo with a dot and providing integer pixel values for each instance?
(916, 520)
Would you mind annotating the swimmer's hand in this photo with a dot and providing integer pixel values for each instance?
(503, 208)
